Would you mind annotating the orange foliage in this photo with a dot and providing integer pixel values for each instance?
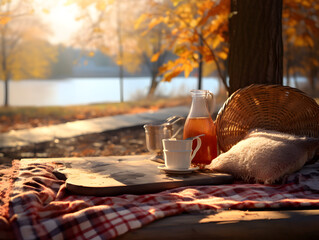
(200, 27)
(197, 28)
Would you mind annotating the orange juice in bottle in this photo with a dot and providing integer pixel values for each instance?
(198, 122)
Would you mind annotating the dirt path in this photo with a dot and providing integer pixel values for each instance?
(127, 141)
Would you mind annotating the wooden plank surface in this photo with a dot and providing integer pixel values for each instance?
(115, 175)
(233, 224)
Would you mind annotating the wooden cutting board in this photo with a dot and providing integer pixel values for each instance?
(110, 176)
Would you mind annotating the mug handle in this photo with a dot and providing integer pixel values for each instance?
(199, 143)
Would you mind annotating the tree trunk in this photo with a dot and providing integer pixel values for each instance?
(200, 72)
(4, 65)
(256, 50)
(6, 92)
(313, 73)
(120, 49)
(154, 66)
(152, 89)
(288, 72)
(296, 81)
(200, 66)
(287, 61)
(312, 81)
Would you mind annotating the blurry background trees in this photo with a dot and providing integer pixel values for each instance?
(165, 38)
(114, 28)
(109, 27)
(24, 52)
(301, 42)
(63, 65)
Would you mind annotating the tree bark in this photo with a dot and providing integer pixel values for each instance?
(200, 66)
(154, 66)
(153, 87)
(4, 65)
(6, 93)
(120, 50)
(200, 73)
(256, 49)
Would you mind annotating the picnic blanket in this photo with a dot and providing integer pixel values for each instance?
(42, 208)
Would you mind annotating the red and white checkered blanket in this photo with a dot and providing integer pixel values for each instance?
(41, 208)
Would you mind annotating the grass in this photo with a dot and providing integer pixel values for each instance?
(27, 117)
(93, 109)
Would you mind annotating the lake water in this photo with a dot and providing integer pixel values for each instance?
(75, 91)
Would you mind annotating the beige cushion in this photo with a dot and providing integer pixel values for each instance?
(266, 156)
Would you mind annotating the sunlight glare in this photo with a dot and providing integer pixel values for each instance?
(61, 19)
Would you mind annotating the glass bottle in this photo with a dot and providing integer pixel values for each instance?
(199, 121)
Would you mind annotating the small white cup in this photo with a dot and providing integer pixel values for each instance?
(178, 154)
(177, 159)
(172, 144)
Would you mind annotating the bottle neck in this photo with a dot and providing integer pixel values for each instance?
(199, 107)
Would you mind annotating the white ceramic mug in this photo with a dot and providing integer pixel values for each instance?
(178, 154)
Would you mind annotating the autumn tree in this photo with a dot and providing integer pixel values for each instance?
(198, 34)
(23, 51)
(256, 52)
(149, 47)
(109, 27)
(152, 43)
(112, 28)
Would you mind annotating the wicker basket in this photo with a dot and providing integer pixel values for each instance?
(271, 107)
